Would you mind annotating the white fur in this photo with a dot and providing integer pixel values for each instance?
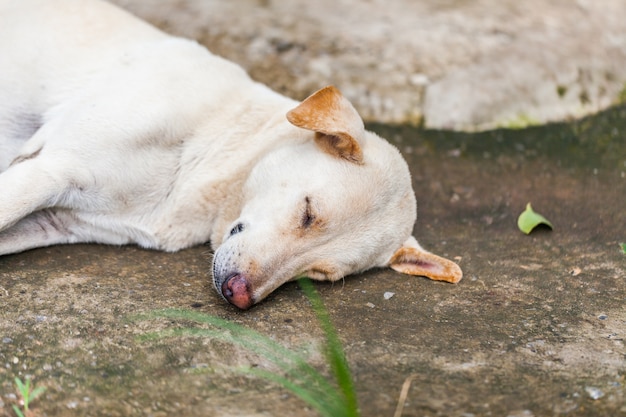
(114, 132)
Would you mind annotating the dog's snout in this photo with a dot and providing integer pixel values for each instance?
(236, 290)
(238, 228)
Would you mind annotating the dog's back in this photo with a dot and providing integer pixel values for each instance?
(55, 43)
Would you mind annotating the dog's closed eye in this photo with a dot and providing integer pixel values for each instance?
(239, 227)
(308, 218)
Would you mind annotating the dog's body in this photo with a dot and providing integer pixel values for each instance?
(114, 132)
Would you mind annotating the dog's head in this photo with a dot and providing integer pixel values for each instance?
(338, 203)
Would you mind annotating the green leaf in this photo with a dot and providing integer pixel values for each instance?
(623, 246)
(18, 411)
(36, 392)
(528, 220)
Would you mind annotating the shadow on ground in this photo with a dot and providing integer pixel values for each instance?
(536, 328)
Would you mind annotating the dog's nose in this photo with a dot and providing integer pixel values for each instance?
(236, 290)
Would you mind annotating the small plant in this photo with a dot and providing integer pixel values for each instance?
(296, 375)
(623, 247)
(27, 395)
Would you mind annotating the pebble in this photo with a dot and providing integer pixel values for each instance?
(594, 393)
(388, 295)
(370, 305)
(575, 271)
(420, 80)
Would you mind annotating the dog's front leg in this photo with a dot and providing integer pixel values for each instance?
(27, 186)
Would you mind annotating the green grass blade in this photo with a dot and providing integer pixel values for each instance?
(21, 387)
(299, 377)
(260, 345)
(232, 333)
(335, 353)
(288, 361)
(36, 392)
(326, 402)
(18, 411)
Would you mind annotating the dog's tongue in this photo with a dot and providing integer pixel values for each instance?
(237, 291)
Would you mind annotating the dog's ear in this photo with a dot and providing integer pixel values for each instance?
(412, 259)
(338, 127)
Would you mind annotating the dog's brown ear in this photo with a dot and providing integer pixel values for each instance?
(412, 259)
(338, 127)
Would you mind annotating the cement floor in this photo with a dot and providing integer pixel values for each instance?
(536, 327)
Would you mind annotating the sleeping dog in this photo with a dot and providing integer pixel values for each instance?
(114, 132)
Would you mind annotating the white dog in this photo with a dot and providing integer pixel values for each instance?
(112, 131)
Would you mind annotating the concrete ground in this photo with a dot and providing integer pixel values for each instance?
(536, 327)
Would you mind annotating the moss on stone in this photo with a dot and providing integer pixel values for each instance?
(521, 121)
